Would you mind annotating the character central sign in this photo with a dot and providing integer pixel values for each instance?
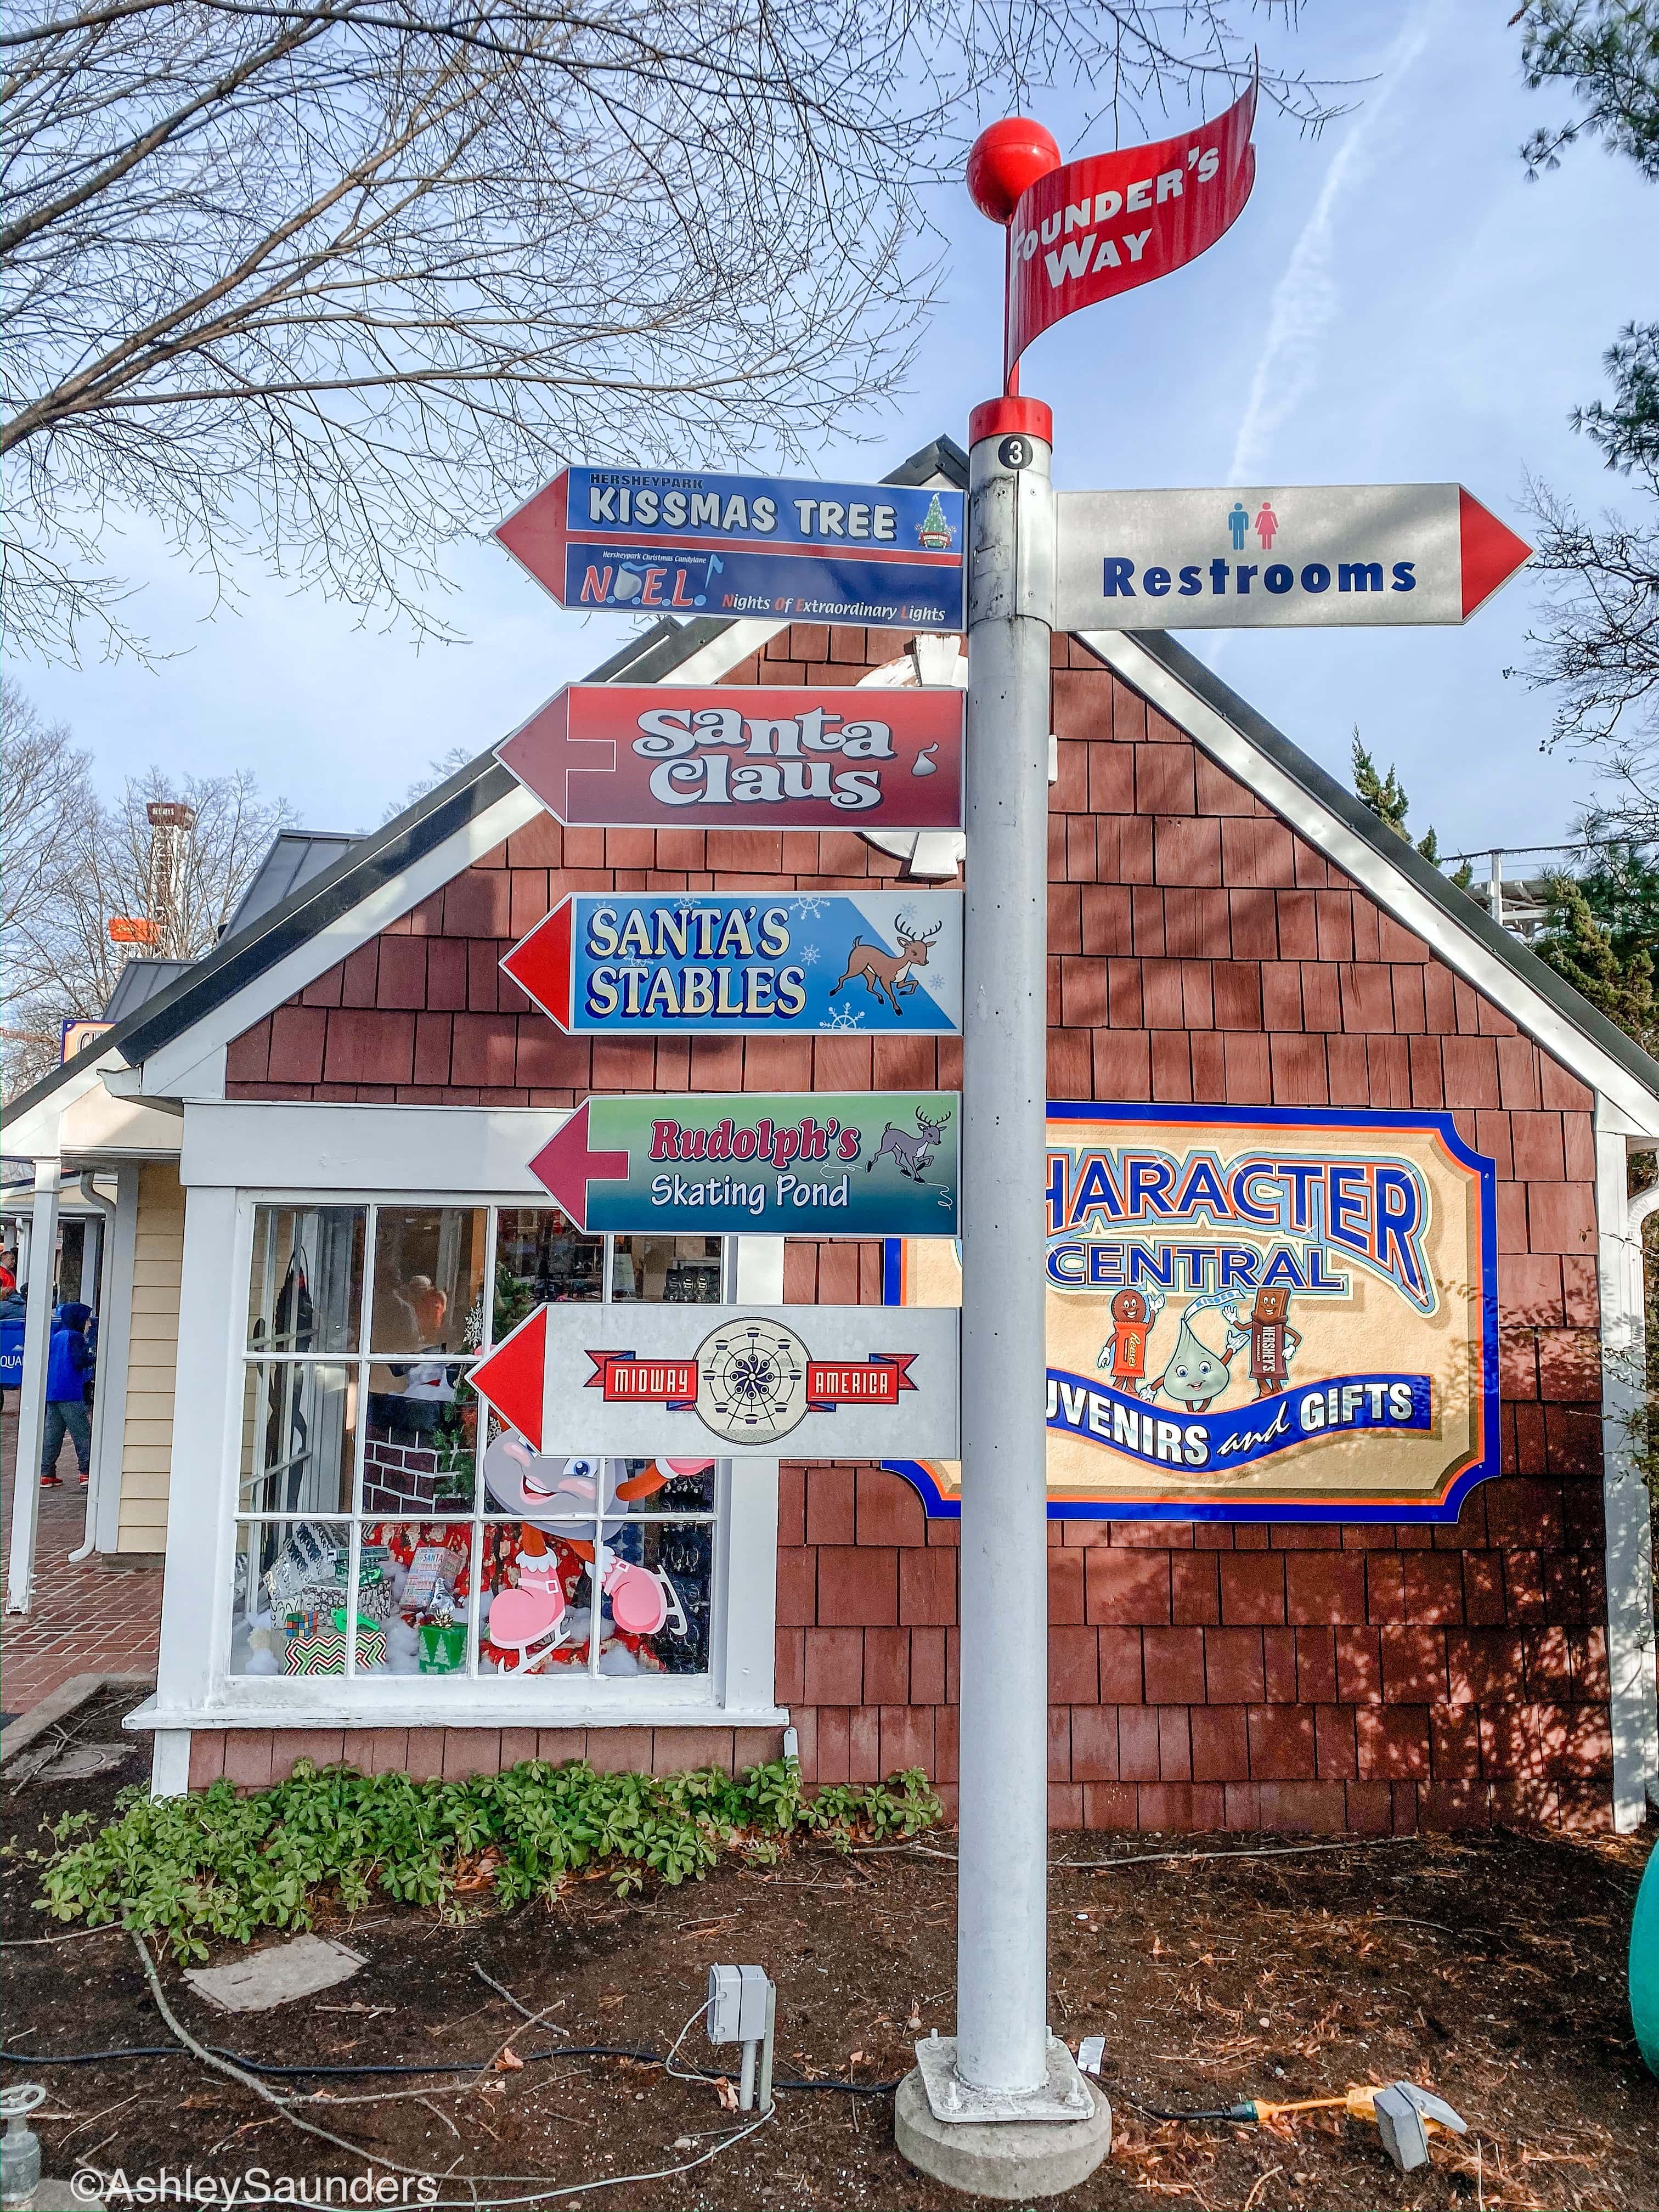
(1257, 1314)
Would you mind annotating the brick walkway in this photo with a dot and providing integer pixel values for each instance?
(86, 1620)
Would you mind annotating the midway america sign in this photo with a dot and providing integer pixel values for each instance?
(1255, 1315)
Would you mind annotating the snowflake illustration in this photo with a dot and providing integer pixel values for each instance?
(843, 1018)
(809, 906)
(809, 955)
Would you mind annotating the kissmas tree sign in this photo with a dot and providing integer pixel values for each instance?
(749, 756)
(688, 542)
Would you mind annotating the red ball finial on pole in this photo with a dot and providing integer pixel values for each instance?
(1006, 158)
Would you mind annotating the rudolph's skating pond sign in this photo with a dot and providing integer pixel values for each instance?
(1256, 1315)
(799, 1164)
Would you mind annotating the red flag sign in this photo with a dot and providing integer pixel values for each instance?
(1104, 225)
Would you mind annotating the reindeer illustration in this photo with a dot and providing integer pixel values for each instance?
(910, 1155)
(888, 974)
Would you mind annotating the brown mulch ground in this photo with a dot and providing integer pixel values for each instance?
(1490, 1968)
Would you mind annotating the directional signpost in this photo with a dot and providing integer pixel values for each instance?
(838, 1381)
(1250, 557)
(999, 2108)
(886, 556)
(812, 1163)
(866, 963)
(812, 756)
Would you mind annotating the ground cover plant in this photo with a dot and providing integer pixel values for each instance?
(218, 1866)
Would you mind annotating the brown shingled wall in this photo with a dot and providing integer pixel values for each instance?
(1201, 1676)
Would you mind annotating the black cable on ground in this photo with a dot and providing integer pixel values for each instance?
(424, 2066)
(1243, 2113)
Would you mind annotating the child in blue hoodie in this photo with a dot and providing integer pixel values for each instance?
(68, 1364)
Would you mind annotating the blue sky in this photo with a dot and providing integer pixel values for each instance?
(1396, 303)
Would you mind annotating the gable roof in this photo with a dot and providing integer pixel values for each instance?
(295, 856)
(140, 981)
(1193, 697)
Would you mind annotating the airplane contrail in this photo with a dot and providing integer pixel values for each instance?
(1306, 297)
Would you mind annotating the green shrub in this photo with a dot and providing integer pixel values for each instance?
(218, 1867)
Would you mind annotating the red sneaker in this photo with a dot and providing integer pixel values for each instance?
(52, 1482)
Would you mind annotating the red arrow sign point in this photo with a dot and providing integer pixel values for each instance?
(540, 964)
(543, 754)
(565, 1166)
(1491, 551)
(511, 1379)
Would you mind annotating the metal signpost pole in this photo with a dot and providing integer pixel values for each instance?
(1002, 1913)
(1001, 2108)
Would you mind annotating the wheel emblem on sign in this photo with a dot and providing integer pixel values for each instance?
(751, 1381)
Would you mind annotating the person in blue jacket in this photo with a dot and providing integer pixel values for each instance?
(68, 1364)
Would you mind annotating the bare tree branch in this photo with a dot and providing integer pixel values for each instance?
(335, 284)
(73, 861)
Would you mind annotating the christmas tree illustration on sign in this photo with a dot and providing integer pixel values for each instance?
(934, 532)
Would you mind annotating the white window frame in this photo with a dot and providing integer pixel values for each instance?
(354, 1155)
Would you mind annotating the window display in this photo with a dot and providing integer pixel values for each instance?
(382, 1529)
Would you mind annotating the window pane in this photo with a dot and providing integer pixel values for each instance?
(428, 1278)
(288, 1600)
(306, 1291)
(670, 1270)
(427, 1568)
(536, 1600)
(299, 1436)
(541, 1259)
(418, 1446)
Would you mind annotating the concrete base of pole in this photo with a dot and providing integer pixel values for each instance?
(1016, 2161)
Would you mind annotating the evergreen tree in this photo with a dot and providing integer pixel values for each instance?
(1585, 953)
(1386, 797)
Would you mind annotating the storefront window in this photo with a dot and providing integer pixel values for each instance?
(369, 1487)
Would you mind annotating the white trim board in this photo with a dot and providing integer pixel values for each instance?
(296, 1146)
(413, 1701)
(1626, 1515)
(1391, 888)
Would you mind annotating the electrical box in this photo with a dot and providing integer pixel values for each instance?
(737, 2004)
